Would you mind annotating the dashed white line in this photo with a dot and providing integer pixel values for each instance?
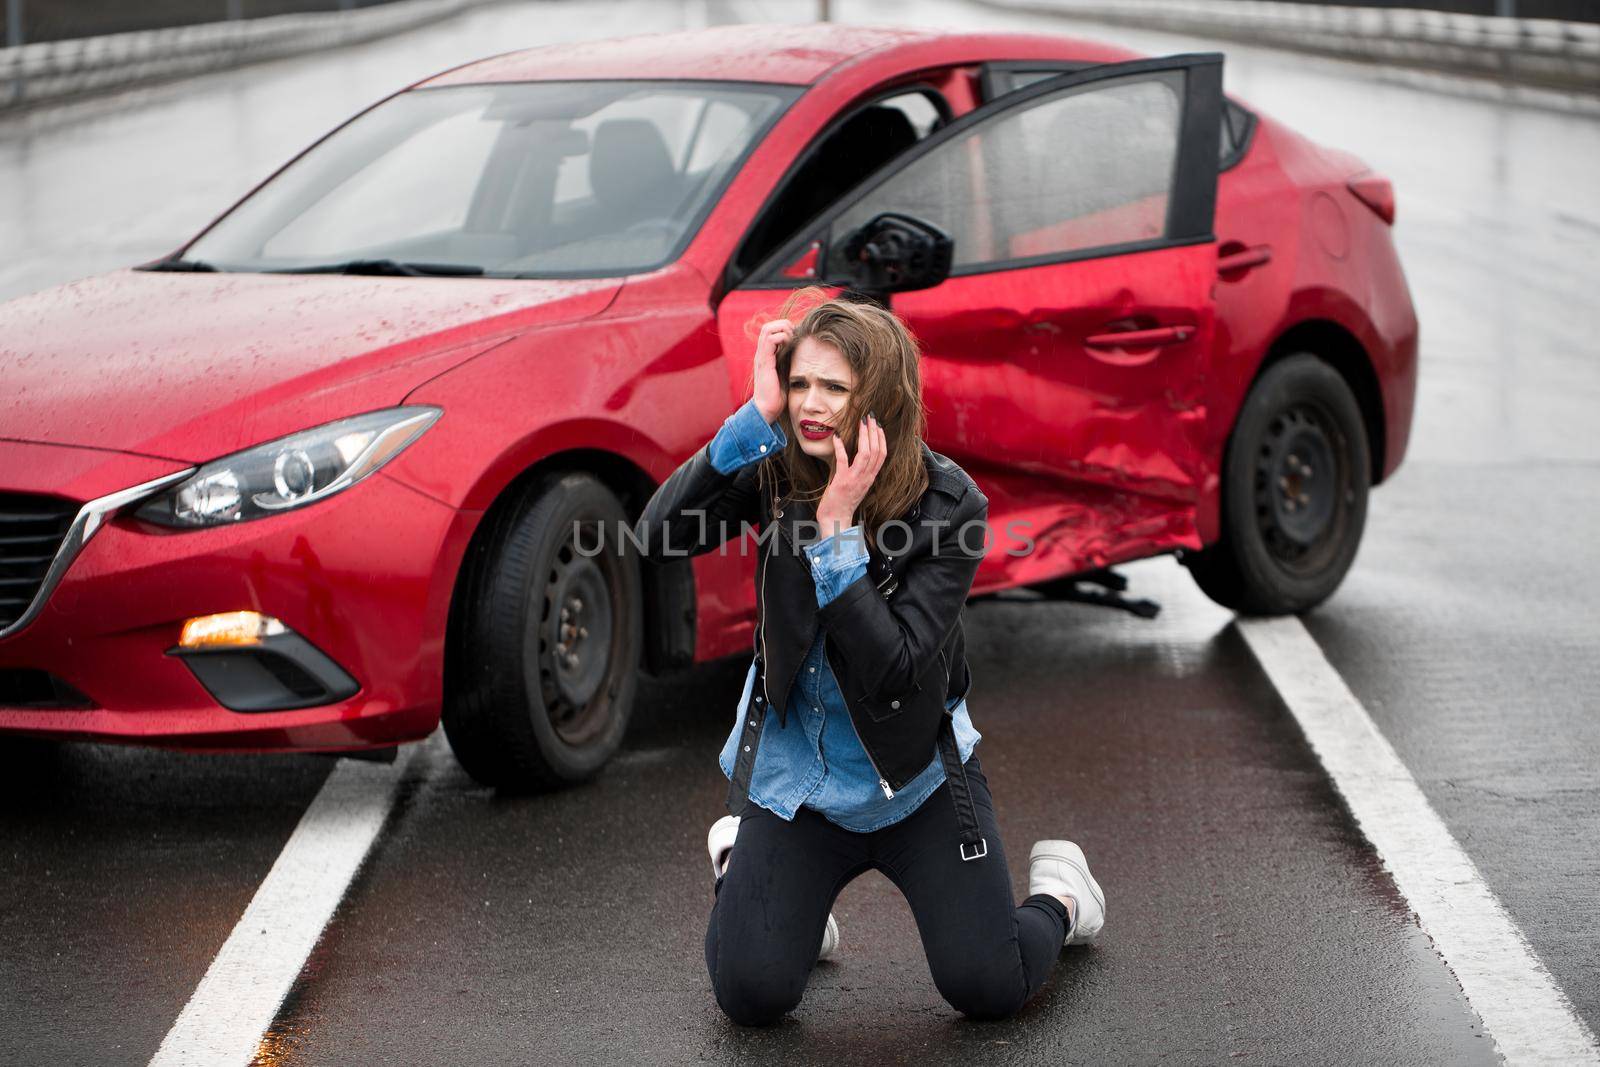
(236, 1001)
(1522, 1008)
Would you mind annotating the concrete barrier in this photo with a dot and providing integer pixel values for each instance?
(59, 70)
(1545, 53)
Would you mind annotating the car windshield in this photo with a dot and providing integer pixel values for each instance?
(531, 179)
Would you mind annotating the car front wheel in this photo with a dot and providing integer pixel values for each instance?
(1294, 493)
(545, 643)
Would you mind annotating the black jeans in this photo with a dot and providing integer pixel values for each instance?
(987, 954)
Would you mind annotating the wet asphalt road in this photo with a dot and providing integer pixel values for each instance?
(1247, 919)
(121, 872)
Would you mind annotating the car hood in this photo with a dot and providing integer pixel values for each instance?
(193, 366)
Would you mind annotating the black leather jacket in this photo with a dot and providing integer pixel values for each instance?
(894, 636)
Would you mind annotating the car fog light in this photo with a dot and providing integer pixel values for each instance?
(229, 628)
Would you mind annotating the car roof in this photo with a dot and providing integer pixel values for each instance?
(785, 53)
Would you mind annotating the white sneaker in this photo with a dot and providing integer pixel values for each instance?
(830, 939)
(1058, 867)
(719, 842)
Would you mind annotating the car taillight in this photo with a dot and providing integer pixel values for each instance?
(1376, 192)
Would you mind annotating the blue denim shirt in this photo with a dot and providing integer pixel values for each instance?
(816, 760)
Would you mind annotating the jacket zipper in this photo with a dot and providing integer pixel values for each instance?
(883, 783)
(761, 610)
(761, 598)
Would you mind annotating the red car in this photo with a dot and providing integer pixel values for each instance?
(314, 481)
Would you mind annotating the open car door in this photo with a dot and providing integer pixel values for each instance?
(1065, 348)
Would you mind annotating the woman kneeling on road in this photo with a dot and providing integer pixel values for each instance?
(853, 749)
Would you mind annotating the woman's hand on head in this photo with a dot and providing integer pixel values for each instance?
(768, 394)
(851, 480)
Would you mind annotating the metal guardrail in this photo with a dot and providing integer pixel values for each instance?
(1570, 10)
(58, 70)
(1537, 52)
(1547, 53)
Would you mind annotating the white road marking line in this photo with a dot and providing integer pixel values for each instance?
(236, 1001)
(1523, 1009)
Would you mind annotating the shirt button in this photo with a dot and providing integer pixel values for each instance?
(813, 670)
(894, 703)
(747, 748)
(763, 448)
(758, 700)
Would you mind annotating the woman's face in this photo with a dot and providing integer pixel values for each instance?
(820, 386)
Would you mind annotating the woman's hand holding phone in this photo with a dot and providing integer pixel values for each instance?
(768, 393)
(851, 480)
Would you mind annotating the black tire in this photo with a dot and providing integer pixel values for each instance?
(519, 715)
(1294, 493)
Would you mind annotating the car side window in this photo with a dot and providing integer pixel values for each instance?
(1073, 171)
(853, 148)
(1237, 121)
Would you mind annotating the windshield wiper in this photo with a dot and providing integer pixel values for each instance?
(181, 265)
(386, 266)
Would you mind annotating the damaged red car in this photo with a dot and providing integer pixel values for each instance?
(313, 481)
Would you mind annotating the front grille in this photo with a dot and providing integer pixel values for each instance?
(31, 529)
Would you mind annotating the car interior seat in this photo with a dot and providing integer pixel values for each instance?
(631, 173)
(634, 182)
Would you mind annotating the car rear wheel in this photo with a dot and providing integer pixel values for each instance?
(546, 639)
(1294, 493)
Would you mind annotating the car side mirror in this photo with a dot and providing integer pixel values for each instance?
(896, 253)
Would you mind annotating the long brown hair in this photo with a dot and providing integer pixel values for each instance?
(886, 361)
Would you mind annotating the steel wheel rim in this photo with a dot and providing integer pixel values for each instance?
(578, 635)
(1302, 487)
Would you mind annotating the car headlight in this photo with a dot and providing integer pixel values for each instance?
(291, 472)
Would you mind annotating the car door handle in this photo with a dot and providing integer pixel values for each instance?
(1161, 335)
(1241, 258)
